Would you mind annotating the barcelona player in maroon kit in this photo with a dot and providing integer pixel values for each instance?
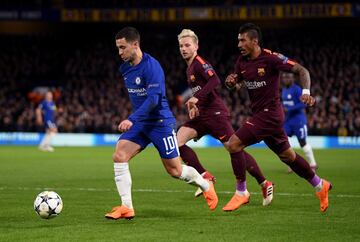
(212, 116)
(258, 70)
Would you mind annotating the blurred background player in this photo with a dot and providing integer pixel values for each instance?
(212, 116)
(45, 115)
(295, 118)
(151, 121)
(258, 70)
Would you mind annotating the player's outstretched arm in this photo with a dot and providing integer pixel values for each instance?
(305, 82)
(38, 116)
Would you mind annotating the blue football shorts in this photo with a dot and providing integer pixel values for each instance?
(162, 136)
(299, 130)
(50, 124)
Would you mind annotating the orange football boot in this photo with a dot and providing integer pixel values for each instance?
(323, 195)
(121, 212)
(211, 197)
(207, 176)
(236, 201)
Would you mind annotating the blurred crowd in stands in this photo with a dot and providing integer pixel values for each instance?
(41, 4)
(90, 95)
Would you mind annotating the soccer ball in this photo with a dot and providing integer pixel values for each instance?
(48, 204)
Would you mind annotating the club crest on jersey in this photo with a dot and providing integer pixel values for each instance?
(137, 80)
(261, 71)
(192, 78)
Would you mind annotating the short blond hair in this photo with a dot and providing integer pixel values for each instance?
(188, 33)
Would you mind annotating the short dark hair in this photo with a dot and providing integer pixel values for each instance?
(253, 31)
(129, 33)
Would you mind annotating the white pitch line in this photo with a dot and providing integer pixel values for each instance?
(91, 189)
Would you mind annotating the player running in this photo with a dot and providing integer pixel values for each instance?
(45, 115)
(258, 70)
(295, 118)
(213, 116)
(151, 121)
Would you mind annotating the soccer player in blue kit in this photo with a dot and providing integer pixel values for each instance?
(151, 122)
(295, 118)
(45, 115)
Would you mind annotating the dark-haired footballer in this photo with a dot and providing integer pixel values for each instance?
(258, 70)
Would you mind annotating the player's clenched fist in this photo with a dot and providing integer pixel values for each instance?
(125, 125)
(307, 99)
(231, 80)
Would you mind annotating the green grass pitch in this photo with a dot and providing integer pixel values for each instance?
(166, 209)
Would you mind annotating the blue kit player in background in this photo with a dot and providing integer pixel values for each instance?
(151, 122)
(295, 118)
(45, 115)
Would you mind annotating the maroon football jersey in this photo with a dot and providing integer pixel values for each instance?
(261, 77)
(203, 80)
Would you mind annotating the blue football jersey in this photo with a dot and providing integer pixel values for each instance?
(291, 101)
(48, 109)
(145, 83)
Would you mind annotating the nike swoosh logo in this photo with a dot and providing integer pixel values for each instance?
(242, 72)
(250, 123)
(168, 153)
(222, 137)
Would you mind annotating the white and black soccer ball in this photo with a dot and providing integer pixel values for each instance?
(48, 204)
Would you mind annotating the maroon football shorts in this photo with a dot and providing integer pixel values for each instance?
(266, 126)
(218, 126)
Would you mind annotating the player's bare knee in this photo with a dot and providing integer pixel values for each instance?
(226, 145)
(233, 147)
(120, 157)
(181, 142)
(287, 156)
(234, 144)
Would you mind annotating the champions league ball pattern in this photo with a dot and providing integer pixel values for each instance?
(48, 204)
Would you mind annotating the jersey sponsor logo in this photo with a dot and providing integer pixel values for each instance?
(261, 71)
(138, 80)
(195, 89)
(254, 84)
(138, 91)
(289, 103)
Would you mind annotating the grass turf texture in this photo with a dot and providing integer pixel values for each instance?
(166, 209)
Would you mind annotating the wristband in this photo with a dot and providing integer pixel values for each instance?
(306, 91)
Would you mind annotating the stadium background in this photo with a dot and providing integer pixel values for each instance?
(68, 46)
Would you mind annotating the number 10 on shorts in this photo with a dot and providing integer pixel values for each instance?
(169, 143)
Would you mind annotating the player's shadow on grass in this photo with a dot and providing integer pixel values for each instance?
(160, 213)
